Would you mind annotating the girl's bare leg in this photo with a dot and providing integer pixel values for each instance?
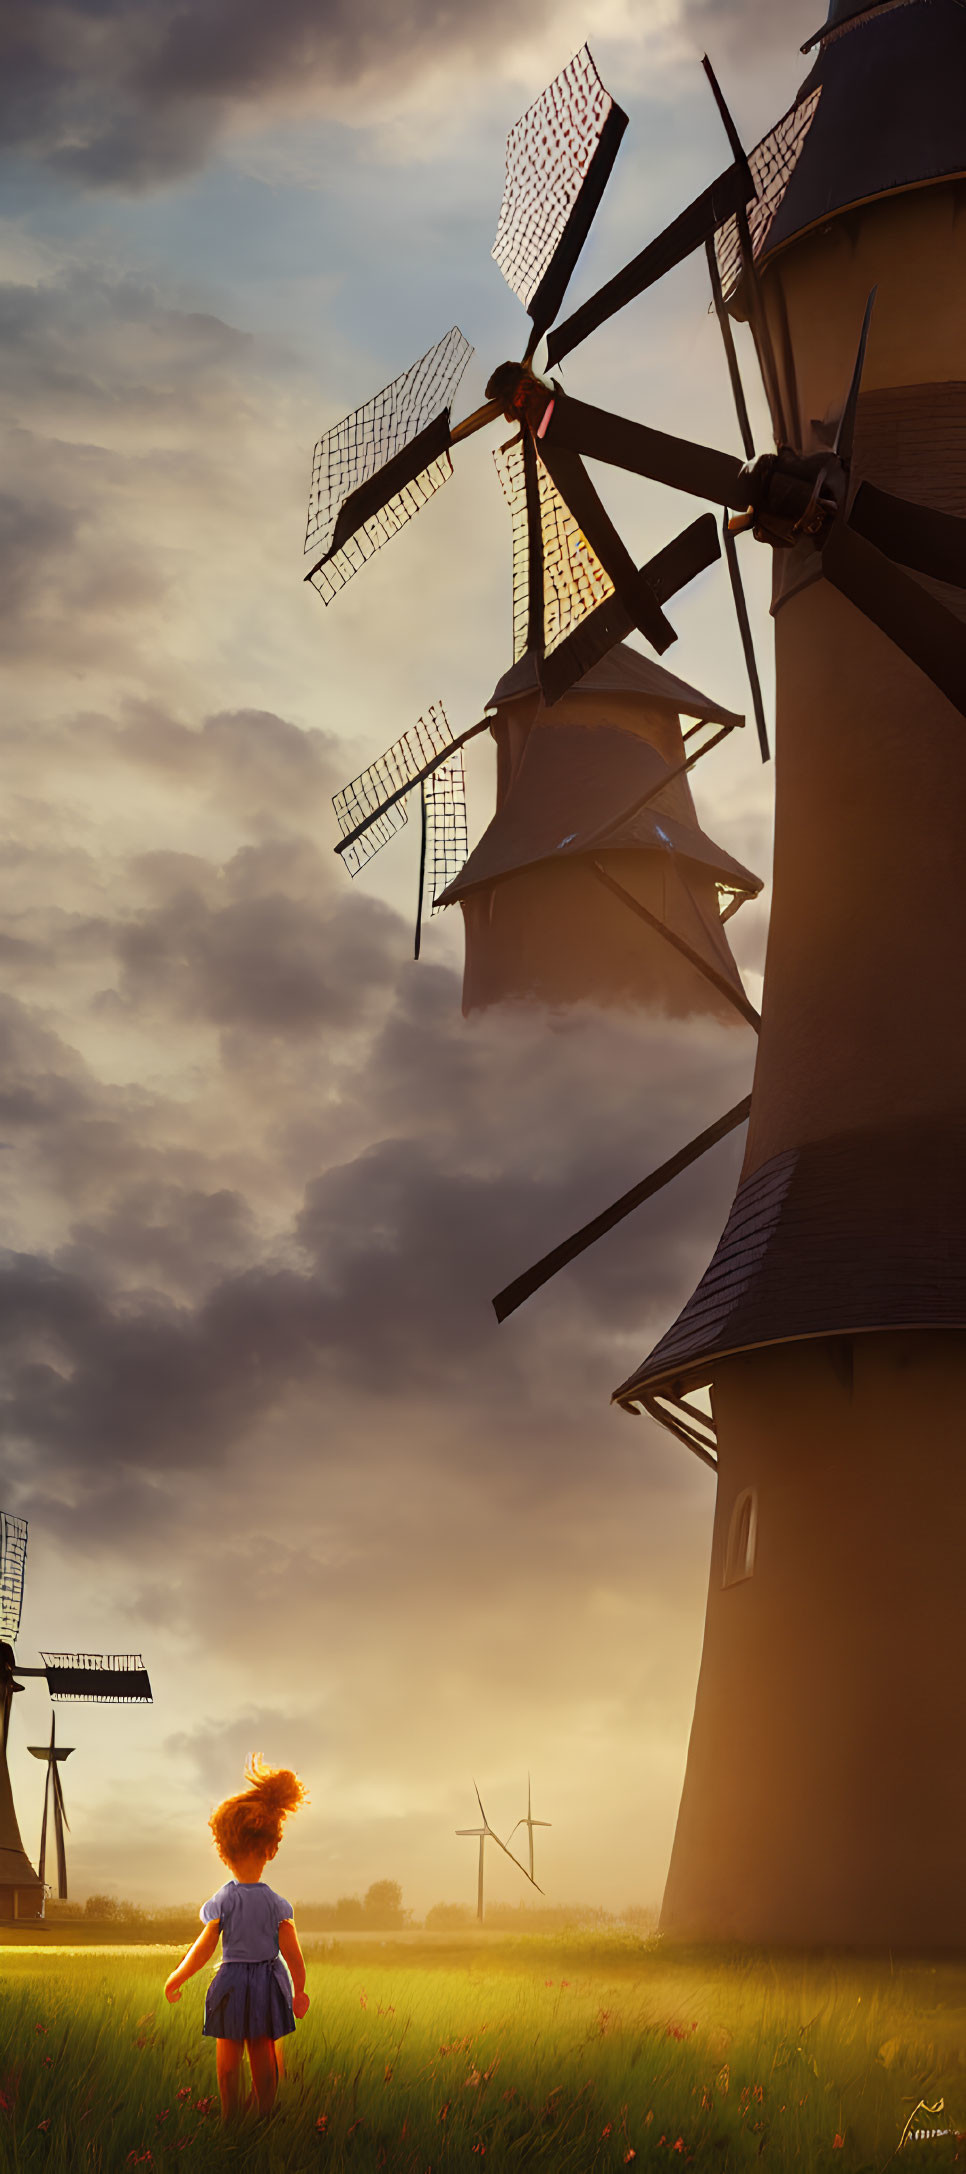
(261, 2053)
(230, 2054)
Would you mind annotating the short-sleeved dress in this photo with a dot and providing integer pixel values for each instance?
(250, 1995)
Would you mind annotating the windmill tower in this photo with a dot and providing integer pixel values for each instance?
(830, 1327)
(54, 1754)
(94, 1678)
(529, 1823)
(594, 878)
(830, 1324)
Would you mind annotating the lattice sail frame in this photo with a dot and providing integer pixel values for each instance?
(399, 766)
(574, 581)
(13, 1552)
(127, 1668)
(447, 840)
(772, 164)
(548, 153)
(356, 449)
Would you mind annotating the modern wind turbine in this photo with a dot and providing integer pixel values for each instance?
(529, 1823)
(53, 1753)
(486, 1834)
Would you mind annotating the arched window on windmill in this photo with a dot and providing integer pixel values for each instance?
(742, 1538)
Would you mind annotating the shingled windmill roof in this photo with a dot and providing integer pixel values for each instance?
(568, 798)
(845, 1236)
(622, 671)
(863, 141)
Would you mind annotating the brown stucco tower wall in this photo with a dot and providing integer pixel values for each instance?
(827, 1763)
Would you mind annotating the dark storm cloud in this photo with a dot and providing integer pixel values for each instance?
(117, 94)
(399, 1252)
(263, 960)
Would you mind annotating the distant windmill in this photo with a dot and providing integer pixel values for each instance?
(529, 1822)
(53, 1753)
(594, 877)
(96, 1678)
(486, 1833)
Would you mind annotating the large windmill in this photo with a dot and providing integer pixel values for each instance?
(581, 886)
(93, 1678)
(830, 1328)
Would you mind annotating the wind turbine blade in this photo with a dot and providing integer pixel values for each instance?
(42, 1860)
(514, 1294)
(846, 430)
(59, 1824)
(514, 1860)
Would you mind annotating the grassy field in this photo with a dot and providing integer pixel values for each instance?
(567, 2053)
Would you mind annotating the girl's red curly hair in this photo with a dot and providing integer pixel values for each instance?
(254, 1820)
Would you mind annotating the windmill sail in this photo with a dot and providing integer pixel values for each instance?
(446, 835)
(371, 809)
(559, 157)
(772, 163)
(112, 1679)
(377, 467)
(13, 1550)
(574, 581)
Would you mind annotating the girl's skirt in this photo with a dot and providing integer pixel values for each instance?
(249, 2000)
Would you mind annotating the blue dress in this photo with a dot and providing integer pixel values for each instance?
(250, 1995)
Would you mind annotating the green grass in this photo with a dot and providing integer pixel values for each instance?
(567, 2053)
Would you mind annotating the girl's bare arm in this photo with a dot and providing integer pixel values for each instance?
(195, 1959)
(291, 1953)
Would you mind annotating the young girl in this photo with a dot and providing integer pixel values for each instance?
(249, 2001)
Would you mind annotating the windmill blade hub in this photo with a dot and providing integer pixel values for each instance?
(513, 383)
(791, 495)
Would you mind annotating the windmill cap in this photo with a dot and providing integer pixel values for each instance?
(845, 1236)
(568, 799)
(622, 671)
(843, 12)
(891, 115)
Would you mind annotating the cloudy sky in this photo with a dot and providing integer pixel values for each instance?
(259, 1178)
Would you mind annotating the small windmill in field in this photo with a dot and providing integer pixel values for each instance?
(486, 1834)
(529, 1823)
(93, 1678)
